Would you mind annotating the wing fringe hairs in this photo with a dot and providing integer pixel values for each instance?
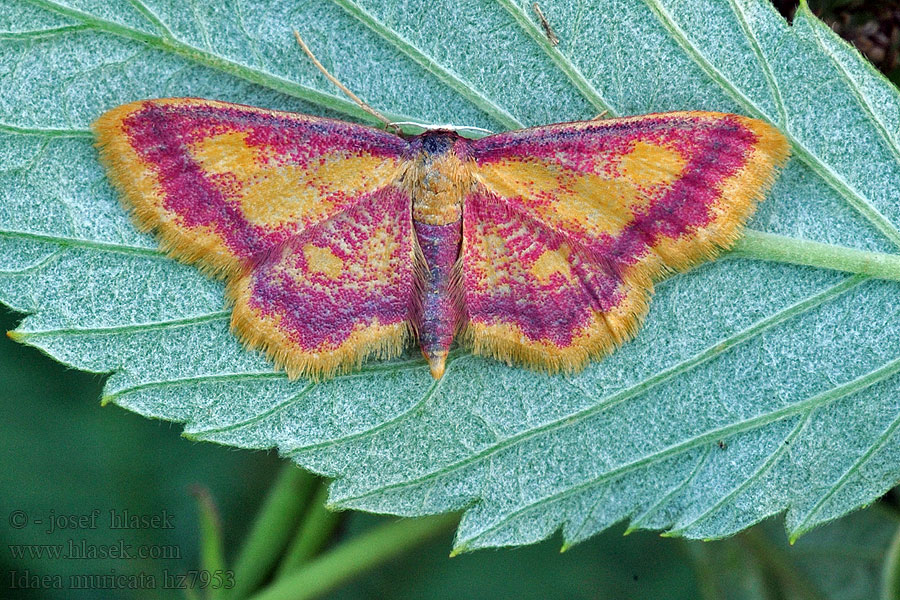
(739, 195)
(140, 193)
(312, 224)
(137, 185)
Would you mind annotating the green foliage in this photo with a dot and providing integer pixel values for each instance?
(792, 368)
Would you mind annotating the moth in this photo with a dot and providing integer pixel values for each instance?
(340, 242)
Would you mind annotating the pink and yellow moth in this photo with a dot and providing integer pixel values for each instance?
(339, 242)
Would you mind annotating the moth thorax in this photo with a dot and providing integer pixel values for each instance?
(437, 184)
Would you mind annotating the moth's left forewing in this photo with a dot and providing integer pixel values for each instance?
(636, 197)
(222, 183)
(301, 215)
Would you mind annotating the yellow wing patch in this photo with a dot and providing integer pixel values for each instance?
(272, 192)
(222, 183)
(608, 206)
(322, 260)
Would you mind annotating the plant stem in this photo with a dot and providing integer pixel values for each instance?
(316, 528)
(699, 555)
(778, 248)
(355, 556)
(277, 519)
(890, 573)
(795, 583)
(212, 552)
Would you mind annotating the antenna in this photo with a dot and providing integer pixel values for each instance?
(341, 86)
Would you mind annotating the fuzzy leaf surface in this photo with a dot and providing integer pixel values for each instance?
(753, 388)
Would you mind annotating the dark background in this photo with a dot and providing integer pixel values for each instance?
(62, 452)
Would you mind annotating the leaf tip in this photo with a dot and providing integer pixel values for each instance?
(15, 336)
(104, 400)
(459, 549)
(804, 8)
(672, 533)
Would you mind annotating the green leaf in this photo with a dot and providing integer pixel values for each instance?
(793, 369)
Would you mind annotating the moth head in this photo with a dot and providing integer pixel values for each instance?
(466, 131)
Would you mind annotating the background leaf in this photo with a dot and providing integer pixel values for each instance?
(791, 368)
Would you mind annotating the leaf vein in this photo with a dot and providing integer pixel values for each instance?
(637, 522)
(152, 17)
(809, 404)
(442, 74)
(562, 62)
(205, 58)
(202, 433)
(131, 328)
(392, 367)
(37, 34)
(70, 242)
(850, 195)
(633, 390)
(50, 258)
(426, 397)
(763, 63)
(198, 379)
(861, 99)
(764, 468)
(37, 131)
(879, 443)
